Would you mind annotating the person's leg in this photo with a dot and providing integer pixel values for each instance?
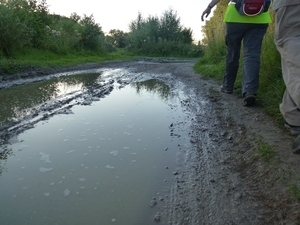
(290, 106)
(287, 39)
(233, 38)
(251, 57)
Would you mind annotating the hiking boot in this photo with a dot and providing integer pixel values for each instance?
(249, 99)
(295, 130)
(226, 91)
(296, 145)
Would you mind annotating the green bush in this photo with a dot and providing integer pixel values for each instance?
(92, 37)
(163, 36)
(27, 23)
(117, 37)
(14, 34)
(63, 35)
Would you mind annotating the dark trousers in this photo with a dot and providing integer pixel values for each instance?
(252, 36)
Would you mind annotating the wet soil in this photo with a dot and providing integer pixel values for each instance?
(221, 178)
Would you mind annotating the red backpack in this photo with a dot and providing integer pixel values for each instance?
(252, 7)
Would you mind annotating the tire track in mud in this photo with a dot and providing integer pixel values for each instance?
(48, 109)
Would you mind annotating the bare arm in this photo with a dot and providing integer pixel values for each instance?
(207, 11)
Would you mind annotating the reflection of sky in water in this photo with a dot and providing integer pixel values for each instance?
(65, 88)
(102, 164)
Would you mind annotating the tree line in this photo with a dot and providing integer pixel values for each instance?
(28, 24)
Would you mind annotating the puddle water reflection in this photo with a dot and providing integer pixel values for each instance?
(101, 165)
(15, 100)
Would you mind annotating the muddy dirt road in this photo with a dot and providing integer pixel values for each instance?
(220, 178)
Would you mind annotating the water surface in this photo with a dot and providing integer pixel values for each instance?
(103, 164)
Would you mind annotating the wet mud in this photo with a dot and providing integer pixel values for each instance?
(220, 178)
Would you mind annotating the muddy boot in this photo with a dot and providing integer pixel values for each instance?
(295, 130)
(249, 99)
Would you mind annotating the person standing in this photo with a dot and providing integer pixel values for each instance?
(247, 29)
(287, 40)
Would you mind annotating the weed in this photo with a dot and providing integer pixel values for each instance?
(265, 151)
(295, 190)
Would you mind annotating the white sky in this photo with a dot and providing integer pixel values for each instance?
(117, 14)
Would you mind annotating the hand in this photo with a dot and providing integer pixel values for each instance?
(205, 13)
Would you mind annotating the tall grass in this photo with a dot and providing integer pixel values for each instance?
(271, 83)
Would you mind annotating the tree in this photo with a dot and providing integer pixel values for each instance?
(23, 22)
(74, 16)
(187, 36)
(170, 26)
(13, 32)
(91, 33)
(137, 24)
(118, 38)
(160, 36)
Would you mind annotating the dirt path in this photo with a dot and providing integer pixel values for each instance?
(221, 178)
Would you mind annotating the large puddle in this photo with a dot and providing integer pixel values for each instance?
(111, 162)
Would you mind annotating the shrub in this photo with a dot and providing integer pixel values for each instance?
(14, 34)
(161, 37)
(92, 37)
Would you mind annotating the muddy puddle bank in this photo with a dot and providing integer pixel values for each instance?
(141, 142)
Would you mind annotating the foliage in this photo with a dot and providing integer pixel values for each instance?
(118, 38)
(11, 66)
(31, 14)
(295, 189)
(265, 151)
(28, 29)
(13, 33)
(91, 33)
(163, 36)
(62, 35)
(214, 28)
(27, 23)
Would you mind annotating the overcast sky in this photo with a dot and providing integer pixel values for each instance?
(117, 14)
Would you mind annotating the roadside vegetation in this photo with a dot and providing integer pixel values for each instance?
(32, 37)
(265, 150)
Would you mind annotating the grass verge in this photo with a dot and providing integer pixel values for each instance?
(44, 59)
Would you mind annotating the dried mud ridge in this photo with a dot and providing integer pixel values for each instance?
(221, 179)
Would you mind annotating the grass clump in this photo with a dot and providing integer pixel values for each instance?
(295, 190)
(265, 150)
